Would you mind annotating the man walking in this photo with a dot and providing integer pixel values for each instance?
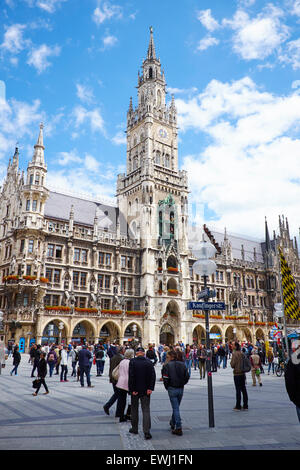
(114, 362)
(84, 356)
(17, 360)
(64, 364)
(255, 368)
(36, 359)
(239, 377)
(175, 376)
(202, 354)
(292, 379)
(141, 384)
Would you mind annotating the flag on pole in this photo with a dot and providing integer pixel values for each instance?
(291, 306)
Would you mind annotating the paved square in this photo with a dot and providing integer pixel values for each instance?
(72, 418)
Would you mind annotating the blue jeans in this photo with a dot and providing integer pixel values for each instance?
(51, 365)
(175, 395)
(188, 364)
(15, 370)
(100, 366)
(298, 412)
(271, 364)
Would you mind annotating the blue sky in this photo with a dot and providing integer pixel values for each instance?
(233, 67)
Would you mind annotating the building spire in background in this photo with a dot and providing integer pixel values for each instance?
(151, 48)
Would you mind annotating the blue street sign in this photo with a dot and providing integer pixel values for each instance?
(206, 293)
(206, 306)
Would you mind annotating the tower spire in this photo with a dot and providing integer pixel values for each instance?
(38, 156)
(151, 48)
(268, 242)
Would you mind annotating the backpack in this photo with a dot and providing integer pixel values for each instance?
(151, 354)
(99, 354)
(246, 364)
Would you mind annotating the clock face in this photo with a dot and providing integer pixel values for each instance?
(163, 133)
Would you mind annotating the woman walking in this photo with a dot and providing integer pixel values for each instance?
(42, 372)
(51, 360)
(16, 360)
(122, 386)
(270, 358)
(188, 355)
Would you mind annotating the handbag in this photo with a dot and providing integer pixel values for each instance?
(36, 383)
(115, 373)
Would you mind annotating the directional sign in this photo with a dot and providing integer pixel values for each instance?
(203, 293)
(206, 306)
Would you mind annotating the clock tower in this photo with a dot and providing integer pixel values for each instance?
(152, 195)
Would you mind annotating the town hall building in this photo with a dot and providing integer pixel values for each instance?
(78, 269)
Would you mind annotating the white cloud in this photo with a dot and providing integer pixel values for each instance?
(49, 5)
(93, 117)
(258, 37)
(296, 8)
(119, 138)
(249, 168)
(84, 93)
(13, 39)
(206, 19)
(207, 42)
(38, 57)
(64, 158)
(106, 11)
(91, 163)
(291, 55)
(296, 84)
(109, 41)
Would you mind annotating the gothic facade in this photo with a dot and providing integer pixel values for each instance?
(77, 269)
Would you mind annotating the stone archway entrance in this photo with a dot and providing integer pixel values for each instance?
(167, 335)
(169, 324)
(83, 333)
(229, 335)
(260, 334)
(109, 332)
(50, 334)
(199, 335)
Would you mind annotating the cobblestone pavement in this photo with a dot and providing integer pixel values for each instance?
(72, 417)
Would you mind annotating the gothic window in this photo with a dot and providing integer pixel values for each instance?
(37, 179)
(30, 246)
(28, 205)
(157, 160)
(158, 98)
(171, 262)
(172, 224)
(167, 161)
(160, 222)
(150, 72)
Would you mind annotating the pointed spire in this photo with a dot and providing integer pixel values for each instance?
(268, 242)
(151, 48)
(38, 156)
(225, 235)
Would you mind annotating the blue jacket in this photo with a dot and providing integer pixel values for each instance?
(84, 356)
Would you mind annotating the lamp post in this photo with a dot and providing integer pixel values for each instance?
(60, 326)
(205, 267)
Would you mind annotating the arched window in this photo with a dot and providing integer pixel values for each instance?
(150, 72)
(160, 223)
(37, 178)
(172, 219)
(167, 161)
(158, 98)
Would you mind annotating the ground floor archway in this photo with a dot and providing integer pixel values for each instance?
(53, 334)
(260, 334)
(247, 335)
(229, 334)
(109, 332)
(133, 332)
(215, 334)
(83, 332)
(167, 335)
(199, 335)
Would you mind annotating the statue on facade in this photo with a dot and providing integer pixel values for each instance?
(13, 265)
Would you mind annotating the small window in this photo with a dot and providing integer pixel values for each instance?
(76, 254)
(30, 246)
(75, 278)
(56, 276)
(37, 179)
(28, 270)
(28, 205)
(58, 251)
(50, 250)
(83, 279)
(30, 179)
(34, 205)
(22, 244)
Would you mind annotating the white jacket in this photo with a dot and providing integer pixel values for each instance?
(64, 358)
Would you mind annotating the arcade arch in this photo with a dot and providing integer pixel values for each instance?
(109, 331)
(199, 335)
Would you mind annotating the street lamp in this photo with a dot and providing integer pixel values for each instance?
(205, 267)
(60, 326)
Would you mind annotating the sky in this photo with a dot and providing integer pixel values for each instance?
(234, 70)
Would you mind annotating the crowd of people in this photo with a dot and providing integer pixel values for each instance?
(132, 372)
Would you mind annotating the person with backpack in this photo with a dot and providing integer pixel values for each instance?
(16, 360)
(150, 354)
(239, 376)
(202, 355)
(255, 368)
(51, 360)
(214, 358)
(100, 360)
